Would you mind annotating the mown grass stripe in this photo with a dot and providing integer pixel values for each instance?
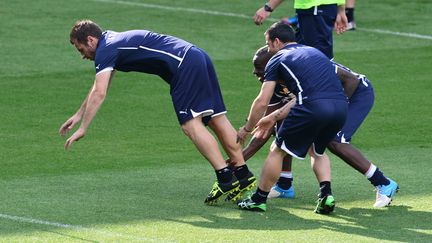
(218, 13)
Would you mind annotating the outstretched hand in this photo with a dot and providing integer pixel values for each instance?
(264, 127)
(78, 134)
(69, 124)
(242, 135)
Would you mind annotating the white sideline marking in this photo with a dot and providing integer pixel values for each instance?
(75, 227)
(203, 11)
(192, 10)
(412, 35)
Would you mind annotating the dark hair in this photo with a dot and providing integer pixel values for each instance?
(82, 29)
(260, 60)
(282, 31)
(261, 57)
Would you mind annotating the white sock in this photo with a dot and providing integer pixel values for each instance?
(370, 171)
(286, 174)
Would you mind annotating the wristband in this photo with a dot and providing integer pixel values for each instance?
(267, 8)
(244, 128)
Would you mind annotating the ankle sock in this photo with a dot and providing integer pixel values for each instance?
(241, 172)
(284, 183)
(325, 189)
(350, 14)
(260, 196)
(224, 175)
(378, 178)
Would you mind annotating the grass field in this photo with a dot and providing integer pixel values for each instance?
(136, 178)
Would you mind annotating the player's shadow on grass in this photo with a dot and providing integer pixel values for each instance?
(395, 223)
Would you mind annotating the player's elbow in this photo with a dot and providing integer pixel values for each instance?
(261, 103)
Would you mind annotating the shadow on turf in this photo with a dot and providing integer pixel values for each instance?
(71, 237)
(395, 223)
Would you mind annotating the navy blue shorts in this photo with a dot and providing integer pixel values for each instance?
(360, 104)
(315, 27)
(315, 123)
(195, 88)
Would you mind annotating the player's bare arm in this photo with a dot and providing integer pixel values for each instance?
(255, 143)
(282, 112)
(265, 125)
(75, 118)
(350, 82)
(258, 109)
(264, 12)
(94, 101)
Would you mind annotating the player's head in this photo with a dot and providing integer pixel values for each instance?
(278, 34)
(84, 36)
(260, 60)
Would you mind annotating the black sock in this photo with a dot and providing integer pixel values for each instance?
(224, 175)
(285, 183)
(260, 196)
(378, 178)
(241, 171)
(325, 189)
(350, 14)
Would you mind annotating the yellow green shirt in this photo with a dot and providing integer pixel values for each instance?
(305, 4)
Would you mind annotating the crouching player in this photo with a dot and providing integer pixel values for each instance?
(361, 98)
(310, 122)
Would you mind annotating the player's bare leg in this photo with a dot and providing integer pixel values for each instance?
(227, 135)
(269, 175)
(204, 142)
(350, 155)
(272, 168)
(284, 187)
(321, 167)
(208, 147)
(386, 188)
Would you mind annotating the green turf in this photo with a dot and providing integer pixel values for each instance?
(136, 178)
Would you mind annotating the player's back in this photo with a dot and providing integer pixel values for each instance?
(308, 73)
(142, 51)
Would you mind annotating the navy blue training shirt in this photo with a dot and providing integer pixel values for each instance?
(306, 72)
(140, 51)
(361, 77)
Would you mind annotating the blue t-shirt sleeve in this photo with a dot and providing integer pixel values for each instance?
(271, 72)
(105, 60)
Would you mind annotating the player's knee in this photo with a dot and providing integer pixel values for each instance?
(186, 131)
(188, 128)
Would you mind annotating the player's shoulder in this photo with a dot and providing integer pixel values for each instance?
(107, 39)
(294, 50)
(107, 46)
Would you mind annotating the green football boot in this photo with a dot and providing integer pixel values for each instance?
(325, 205)
(247, 184)
(249, 204)
(221, 189)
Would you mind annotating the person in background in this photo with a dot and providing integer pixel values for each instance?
(316, 21)
(349, 10)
